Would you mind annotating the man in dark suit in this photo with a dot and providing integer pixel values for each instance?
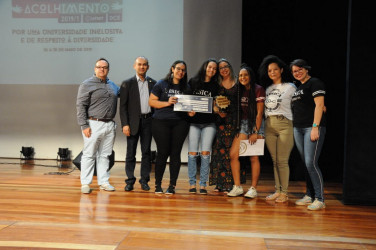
(135, 116)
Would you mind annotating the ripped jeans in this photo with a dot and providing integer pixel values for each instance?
(200, 136)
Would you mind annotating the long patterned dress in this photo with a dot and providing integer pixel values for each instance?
(220, 165)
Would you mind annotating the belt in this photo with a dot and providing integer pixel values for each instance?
(279, 117)
(145, 116)
(100, 120)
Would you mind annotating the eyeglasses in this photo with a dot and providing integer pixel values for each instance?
(297, 71)
(104, 67)
(224, 67)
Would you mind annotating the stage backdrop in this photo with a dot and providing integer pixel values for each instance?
(49, 47)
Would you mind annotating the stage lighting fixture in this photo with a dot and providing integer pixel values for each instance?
(63, 154)
(27, 152)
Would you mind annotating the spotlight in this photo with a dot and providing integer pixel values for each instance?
(27, 152)
(63, 154)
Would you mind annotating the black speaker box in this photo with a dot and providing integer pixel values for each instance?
(77, 162)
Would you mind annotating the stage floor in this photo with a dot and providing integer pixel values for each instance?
(41, 207)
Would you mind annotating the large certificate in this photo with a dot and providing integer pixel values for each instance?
(202, 104)
(247, 149)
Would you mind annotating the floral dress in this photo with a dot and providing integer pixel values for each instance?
(220, 165)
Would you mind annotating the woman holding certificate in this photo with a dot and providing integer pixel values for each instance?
(252, 98)
(279, 136)
(169, 127)
(202, 126)
(226, 108)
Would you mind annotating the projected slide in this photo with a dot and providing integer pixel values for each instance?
(58, 41)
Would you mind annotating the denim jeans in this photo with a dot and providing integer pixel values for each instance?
(245, 130)
(97, 149)
(310, 153)
(205, 134)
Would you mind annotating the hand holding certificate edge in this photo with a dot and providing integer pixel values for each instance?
(247, 149)
(193, 104)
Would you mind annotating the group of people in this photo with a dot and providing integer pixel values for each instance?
(271, 108)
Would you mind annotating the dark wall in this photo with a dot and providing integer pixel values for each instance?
(360, 137)
(315, 31)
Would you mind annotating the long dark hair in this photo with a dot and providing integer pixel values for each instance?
(263, 70)
(252, 105)
(199, 79)
(183, 86)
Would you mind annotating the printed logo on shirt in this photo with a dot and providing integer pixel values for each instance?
(202, 92)
(244, 101)
(297, 95)
(298, 92)
(273, 100)
(172, 92)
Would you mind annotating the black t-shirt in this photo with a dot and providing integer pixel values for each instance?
(164, 91)
(208, 89)
(303, 104)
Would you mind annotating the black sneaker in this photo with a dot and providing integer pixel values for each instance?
(203, 191)
(170, 190)
(158, 190)
(192, 190)
(145, 187)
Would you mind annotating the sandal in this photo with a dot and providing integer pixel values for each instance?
(272, 197)
(282, 198)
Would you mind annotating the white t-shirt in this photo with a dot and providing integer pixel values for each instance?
(278, 99)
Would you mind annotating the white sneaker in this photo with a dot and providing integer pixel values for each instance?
(236, 191)
(252, 193)
(107, 187)
(85, 189)
(316, 205)
(306, 200)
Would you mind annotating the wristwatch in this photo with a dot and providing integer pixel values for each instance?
(315, 125)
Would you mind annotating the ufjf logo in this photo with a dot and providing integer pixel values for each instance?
(111, 9)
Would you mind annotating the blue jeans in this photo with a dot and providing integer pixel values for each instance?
(245, 130)
(205, 134)
(310, 153)
(97, 149)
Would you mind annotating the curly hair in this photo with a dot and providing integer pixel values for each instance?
(265, 80)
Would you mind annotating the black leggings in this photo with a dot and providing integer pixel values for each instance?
(169, 135)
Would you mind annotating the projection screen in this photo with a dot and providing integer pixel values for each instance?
(48, 47)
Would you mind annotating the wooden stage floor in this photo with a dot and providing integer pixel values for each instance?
(41, 207)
